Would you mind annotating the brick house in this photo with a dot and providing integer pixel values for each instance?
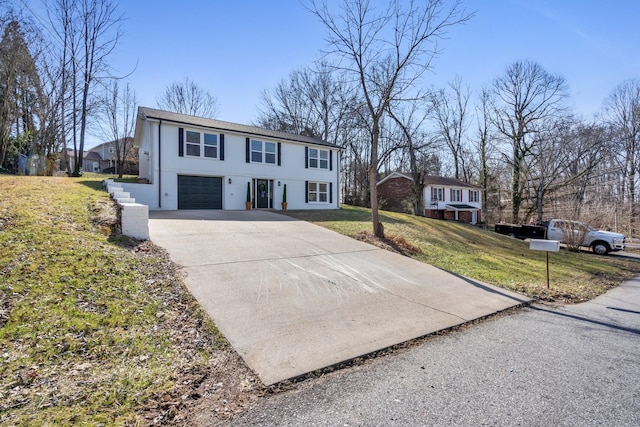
(444, 198)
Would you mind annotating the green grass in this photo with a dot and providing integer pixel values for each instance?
(87, 319)
(487, 256)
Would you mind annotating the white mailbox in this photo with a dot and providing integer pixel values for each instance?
(544, 245)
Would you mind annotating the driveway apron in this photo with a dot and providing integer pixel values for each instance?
(292, 297)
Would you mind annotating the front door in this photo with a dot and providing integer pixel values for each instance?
(263, 193)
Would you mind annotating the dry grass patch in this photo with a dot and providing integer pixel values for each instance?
(98, 329)
(483, 255)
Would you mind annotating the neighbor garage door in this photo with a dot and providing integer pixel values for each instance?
(199, 192)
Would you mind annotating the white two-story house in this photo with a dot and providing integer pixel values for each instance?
(191, 162)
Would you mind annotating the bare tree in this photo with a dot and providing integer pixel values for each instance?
(559, 158)
(119, 112)
(450, 113)
(386, 53)
(188, 98)
(527, 97)
(89, 31)
(416, 143)
(622, 111)
(484, 149)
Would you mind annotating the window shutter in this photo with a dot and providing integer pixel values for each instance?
(181, 142)
(221, 146)
(306, 191)
(279, 153)
(330, 160)
(248, 151)
(331, 192)
(451, 194)
(306, 157)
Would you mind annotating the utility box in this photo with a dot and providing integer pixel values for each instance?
(544, 245)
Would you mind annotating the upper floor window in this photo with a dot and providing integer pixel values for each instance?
(201, 144)
(193, 143)
(438, 194)
(318, 158)
(263, 152)
(474, 196)
(211, 145)
(112, 150)
(456, 195)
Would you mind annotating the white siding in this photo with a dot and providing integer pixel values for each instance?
(234, 170)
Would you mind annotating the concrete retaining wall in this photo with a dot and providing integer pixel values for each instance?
(134, 217)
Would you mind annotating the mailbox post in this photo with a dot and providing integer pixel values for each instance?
(547, 246)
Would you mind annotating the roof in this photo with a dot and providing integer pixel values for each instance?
(394, 175)
(449, 182)
(430, 180)
(462, 207)
(219, 125)
(92, 155)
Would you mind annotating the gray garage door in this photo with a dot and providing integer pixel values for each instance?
(199, 192)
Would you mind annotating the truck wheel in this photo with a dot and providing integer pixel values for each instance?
(600, 248)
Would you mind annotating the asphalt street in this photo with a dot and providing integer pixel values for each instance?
(573, 365)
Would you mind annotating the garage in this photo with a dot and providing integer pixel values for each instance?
(199, 192)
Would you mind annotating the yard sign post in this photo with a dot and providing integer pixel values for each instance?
(547, 246)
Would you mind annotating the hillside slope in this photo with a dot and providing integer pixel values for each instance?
(485, 255)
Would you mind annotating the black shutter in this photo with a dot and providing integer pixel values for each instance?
(306, 191)
(306, 157)
(181, 142)
(330, 160)
(248, 151)
(331, 192)
(279, 153)
(221, 146)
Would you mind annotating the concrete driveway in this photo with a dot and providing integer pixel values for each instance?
(293, 297)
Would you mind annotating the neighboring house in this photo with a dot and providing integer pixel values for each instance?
(108, 158)
(444, 198)
(102, 159)
(395, 193)
(191, 162)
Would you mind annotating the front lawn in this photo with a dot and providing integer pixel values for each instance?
(485, 255)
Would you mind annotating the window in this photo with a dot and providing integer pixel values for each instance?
(438, 194)
(193, 143)
(456, 195)
(270, 153)
(200, 144)
(473, 196)
(318, 192)
(210, 145)
(263, 152)
(318, 159)
(112, 150)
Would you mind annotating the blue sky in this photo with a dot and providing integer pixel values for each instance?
(236, 49)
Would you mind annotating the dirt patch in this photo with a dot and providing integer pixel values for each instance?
(393, 243)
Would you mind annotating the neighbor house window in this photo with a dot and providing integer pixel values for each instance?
(318, 158)
(456, 195)
(318, 192)
(473, 196)
(263, 152)
(438, 194)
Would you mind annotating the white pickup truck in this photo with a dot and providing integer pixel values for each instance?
(576, 234)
